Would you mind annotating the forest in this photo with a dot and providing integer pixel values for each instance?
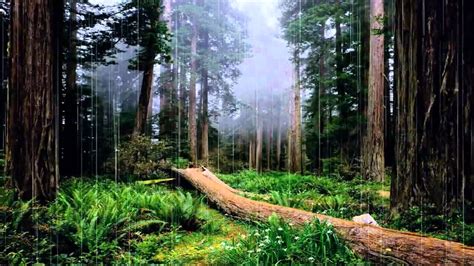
(237, 132)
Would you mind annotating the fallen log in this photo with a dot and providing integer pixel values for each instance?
(371, 242)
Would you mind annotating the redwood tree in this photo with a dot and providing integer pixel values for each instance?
(434, 151)
(34, 82)
(374, 166)
(192, 127)
(295, 160)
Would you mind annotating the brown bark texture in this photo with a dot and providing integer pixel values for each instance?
(434, 128)
(144, 98)
(369, 241)
(374, 164)
(295, 159)
(192, 126)
(205, 106)
(32, 152)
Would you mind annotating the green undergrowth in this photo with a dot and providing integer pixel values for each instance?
(280, 243)
(327, 195)
(104, 222)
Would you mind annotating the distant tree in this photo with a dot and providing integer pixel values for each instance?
(35, 81)
(332, 67)
(144, 27)
(216, 31)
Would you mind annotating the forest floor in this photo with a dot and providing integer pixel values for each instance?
(99, 220)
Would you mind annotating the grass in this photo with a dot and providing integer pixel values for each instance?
(332, 196)
(279, 242)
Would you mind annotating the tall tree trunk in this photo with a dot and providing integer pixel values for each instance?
(259, 147)
(70, 140)
(182, 103)
(192, 128)
(269, 145)
(278, 140)
(435, 98)
(374, 164)
(296, 144)
(251, 153)
(34, 84)
(205, 106)
(3, 76)
(144, 99)
(321, 95)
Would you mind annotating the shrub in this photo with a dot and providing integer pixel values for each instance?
(141, 157)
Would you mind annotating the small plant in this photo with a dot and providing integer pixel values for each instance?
(279, 242)
(286, 199)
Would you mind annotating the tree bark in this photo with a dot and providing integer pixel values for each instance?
(251, 152)
(205, 106)
(371, 242)
(144, 99)
(259, 147)
(278, 140)
(435, 99)
(374, 164)
(4, 26)
(34, 85)
(295, 159)
(192, 127)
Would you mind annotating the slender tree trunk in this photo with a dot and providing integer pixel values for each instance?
(205, 104)
(374, 164)
(70, 140)
(3, 76)
(182, 103)
(34, 84)
(278, 141)
(296, 144)
(269, 145)
(192, 128)
(321, 107)
(251, 153)
(259, 147)
(435, 98)
(144, 99)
